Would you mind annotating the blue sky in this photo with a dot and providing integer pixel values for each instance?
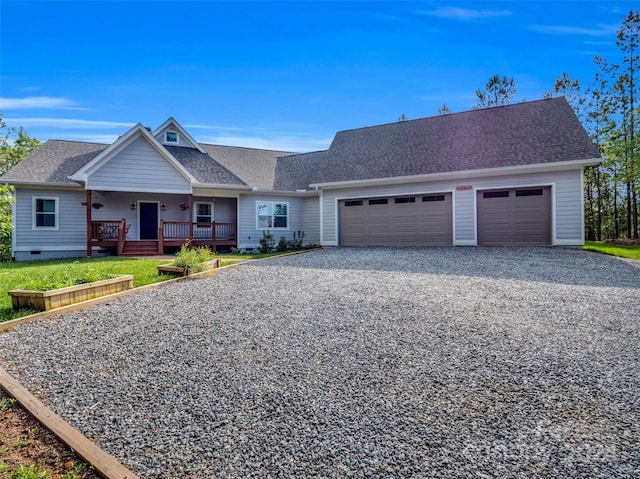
(281, 75)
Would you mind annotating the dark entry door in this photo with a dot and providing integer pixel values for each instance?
(148, 221)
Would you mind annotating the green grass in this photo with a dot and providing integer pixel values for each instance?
(32, 471)
(63, 272)
(20, 275)
(625, 251)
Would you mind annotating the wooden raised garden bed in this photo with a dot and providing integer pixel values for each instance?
(183, 271)
(56, 298)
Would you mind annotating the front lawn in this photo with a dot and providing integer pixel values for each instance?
(23, 274)
(26, 274)
(625, 251)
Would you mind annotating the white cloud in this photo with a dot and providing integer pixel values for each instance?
(598, 31)
(93, 138)
(67, 123)
(456, 13)
(212, 127)
(298, 144)
(32, 102)
(102, 131)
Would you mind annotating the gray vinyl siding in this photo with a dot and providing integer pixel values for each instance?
(249, 236)
(567, 214)
(463, 216)
(70, 237)
(138, 167)
(224, 209)
(569, 201)
(311, 220)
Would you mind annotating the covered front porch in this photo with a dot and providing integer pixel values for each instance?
(152, 224)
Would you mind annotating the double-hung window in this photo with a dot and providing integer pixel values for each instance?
(203, 212)
(45, 213)
(272, 214)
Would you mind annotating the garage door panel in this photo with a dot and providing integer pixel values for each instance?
(402, 221)
(515, 216)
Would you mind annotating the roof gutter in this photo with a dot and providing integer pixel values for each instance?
(466, 174)
(65, 186)
(221, 187)
(266, 191)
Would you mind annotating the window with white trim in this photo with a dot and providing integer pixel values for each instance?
(45, 212)
(272, 214)
(171, 137)
(202, 212)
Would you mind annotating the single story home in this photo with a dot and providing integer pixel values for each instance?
(507, 175)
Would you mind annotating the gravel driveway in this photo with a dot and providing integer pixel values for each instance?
(436, 362)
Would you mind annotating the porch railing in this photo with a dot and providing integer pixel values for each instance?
(206, 232)
(109, 233)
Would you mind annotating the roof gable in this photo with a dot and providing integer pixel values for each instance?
(134, 138)
(171, 133)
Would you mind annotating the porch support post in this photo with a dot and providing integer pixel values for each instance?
(191, 217)
(89, 232)
(161, 237)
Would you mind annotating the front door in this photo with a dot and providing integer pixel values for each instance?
(148, 221)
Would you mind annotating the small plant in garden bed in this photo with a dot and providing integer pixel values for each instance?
(192, 258)
(6, 403)
(29, 472)
(268, 244)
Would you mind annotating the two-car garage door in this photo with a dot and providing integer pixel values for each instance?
(510, 216)
(416, 220)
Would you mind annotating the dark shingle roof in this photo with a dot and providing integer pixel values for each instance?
(203, 168)
(255, 167)
(537, 132)
(542, 131)
(53, 162)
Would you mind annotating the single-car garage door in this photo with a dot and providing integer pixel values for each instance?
(515, 216)
(416, 220)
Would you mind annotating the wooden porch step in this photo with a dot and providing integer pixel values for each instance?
(140, 248)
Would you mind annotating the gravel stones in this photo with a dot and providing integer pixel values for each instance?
(373, 362)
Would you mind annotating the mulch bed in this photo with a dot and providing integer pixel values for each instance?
(623, 241)
(24, 442)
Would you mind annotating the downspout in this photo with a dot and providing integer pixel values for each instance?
(89, 232)
(321, 206)
(14, 229)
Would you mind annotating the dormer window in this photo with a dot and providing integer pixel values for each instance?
(171, 137)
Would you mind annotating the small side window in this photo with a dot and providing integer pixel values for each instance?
(495, 194)
(411, 199)
(536, 192)
(171, 137)
(433, 198)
